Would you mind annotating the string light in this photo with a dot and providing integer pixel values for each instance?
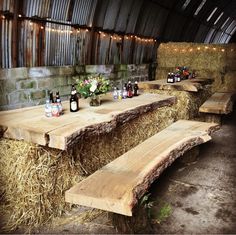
(206, 47)
(41, 27)
(20, 15)
(223, 50)
(3, 17)
(214, 48)
(199, 48)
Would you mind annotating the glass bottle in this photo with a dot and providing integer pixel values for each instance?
(74, 100)
(124, 93)
(48, 109)
(58, 101)
(51, 99)
(115, 94)
(136, 88)
(130, 90)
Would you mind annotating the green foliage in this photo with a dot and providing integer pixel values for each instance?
(92, 86)
(146, 203)
(163, 213)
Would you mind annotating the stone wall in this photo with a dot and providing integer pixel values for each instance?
(23, 87)
(217, 61)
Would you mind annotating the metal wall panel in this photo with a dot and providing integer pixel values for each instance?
(111, 15)
(7, 5)
(159, 22)
(201, 34)
(60, 9)
(134, 14)
(123, 15)
(6, 43)
(36, 8)
(190, 30)
(83, 12)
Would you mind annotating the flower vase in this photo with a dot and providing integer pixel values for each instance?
(95, 100)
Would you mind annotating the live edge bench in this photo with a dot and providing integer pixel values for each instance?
(119, 185)
(220, 103)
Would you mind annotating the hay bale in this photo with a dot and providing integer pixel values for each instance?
(33, 181)
(188, 103)
(34, 178)
(208, 60)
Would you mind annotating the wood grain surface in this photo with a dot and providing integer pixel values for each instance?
(117, 186)
(31, 124)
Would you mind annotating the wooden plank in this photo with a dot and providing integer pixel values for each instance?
(218, 103)
(192, 85)
(117, 186)
(30, 124)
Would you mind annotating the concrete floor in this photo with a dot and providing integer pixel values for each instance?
(201, 195)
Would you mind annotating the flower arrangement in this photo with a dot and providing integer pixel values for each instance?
(93, 86)
(183, 72)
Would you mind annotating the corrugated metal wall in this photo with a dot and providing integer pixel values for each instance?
(53, 32)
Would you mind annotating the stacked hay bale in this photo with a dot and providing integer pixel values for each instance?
(34, 178)
(217, 61)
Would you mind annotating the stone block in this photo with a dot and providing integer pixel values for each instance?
(120, 67)
(37, 72)
(45, 83)
(39, 94)
(131, 67)
(66, 70)
(91, 68)
(80, 69)
(7, 85)
(26, 84)
(96, 69)
(64, 90)
(122, 75)
(3, 99)
(59, 81)
(18, 97)
(17, 73)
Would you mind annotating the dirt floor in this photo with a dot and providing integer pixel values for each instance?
(193, 197)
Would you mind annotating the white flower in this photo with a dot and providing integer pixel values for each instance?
(94, 86)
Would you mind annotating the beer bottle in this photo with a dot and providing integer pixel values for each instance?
(74, 100)
(130, 90)
(136, 88)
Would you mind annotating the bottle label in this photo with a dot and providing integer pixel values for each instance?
(73, 105)
(55, 110)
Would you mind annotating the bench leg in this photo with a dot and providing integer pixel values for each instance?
(138, 223)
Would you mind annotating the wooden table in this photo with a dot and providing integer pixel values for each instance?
(192, 85)
(31, 125)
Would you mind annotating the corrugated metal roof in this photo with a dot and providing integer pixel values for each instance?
(123, 16)
(134, 14)
(83, 12)
(7, 5)
(36, 8)
(111, 14)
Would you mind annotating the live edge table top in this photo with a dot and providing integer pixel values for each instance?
(31, 124)
(191, 85)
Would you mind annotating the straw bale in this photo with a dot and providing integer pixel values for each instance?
(214, 61)
(187, 54)
(34, 178)
(188, 103)
(33, 181)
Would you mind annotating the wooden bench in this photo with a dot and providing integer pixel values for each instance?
(119, 185)
(220, 103)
